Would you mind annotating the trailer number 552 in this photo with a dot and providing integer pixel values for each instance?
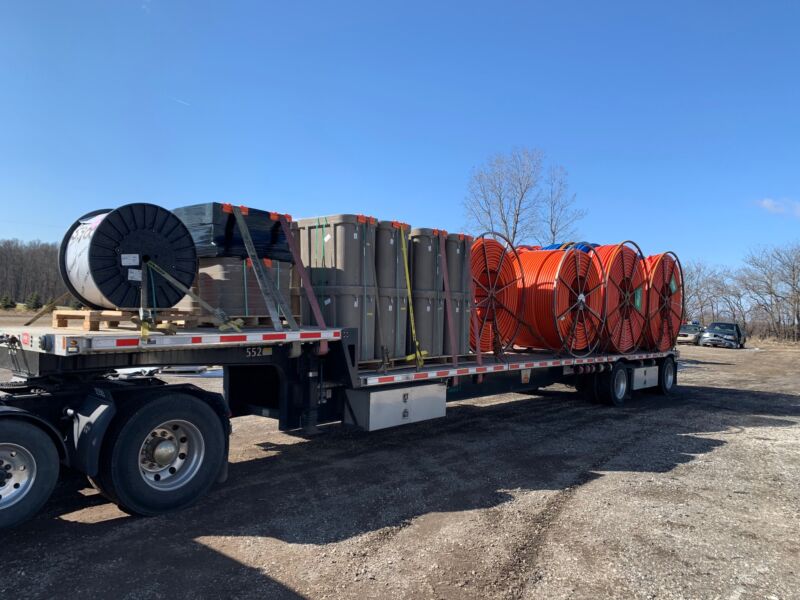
(256, 351)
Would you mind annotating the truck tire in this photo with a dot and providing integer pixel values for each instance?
(162, 455)
(612, 387)
(667, 376)
(29, 466)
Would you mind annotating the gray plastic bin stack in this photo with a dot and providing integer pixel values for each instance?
(427, 295)
(339, 253)
(458, 251)
(392, 312)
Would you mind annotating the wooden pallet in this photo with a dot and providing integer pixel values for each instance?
(91, 319)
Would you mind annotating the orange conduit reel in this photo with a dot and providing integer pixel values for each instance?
(496, 280)
(664, 300)
(625, 296)
(565, 309)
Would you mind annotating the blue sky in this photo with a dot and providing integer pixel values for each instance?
(678, 122)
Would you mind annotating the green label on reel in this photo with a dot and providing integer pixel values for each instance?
(637, 298)
(673, 285)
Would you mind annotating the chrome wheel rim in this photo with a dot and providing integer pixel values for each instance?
(17, 473)
(669, 375)
(620, 384)
(171, 455)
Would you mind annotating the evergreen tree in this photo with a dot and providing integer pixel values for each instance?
(34, 302)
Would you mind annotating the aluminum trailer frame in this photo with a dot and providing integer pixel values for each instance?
(65, 386)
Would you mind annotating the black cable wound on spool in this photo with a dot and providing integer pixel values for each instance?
(121, 243)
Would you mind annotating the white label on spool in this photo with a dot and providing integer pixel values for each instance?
(428, 307)
(390, 307)
(391, 241)
(134, 274)
(355, 235)
(326, 301)
(129, 260)
(429, 248)
(355, 304)
(327, 237)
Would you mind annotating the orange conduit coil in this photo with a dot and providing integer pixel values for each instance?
(625, 297)
(495, 282)
(664, 300)
(563, 309)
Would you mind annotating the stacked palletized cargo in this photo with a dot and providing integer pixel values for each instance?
(363, 273)
(426, 294)
(226, 277)
(230, 284)
(339, 253)
(392, 308)
(458, 247)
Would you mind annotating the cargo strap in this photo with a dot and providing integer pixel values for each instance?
(272, 297)
(219, 314)
(448, 297)
(305, 278)
(417, 356)
(47, 308)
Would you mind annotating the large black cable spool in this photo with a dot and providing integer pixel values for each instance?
(102, 257)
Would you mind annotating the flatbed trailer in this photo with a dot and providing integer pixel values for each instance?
(153, 447)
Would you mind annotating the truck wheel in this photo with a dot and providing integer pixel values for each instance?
(613, 386)
(162, 455)
(29, 468)
(667, 376)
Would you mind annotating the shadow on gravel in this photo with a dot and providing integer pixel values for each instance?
(344, 484)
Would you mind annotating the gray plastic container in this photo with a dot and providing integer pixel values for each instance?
(427, 295)
(429, 321)
(461, 318)
(338, 250)
(339, 253)
(346, 306)
(392, 294)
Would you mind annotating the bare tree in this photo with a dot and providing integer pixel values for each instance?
(504, 194)
(557, 213)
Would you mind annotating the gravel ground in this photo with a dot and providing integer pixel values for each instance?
(513, 496)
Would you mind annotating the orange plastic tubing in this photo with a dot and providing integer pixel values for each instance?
(625, 296)
(496, 295)
(665, 301)
(553, 316)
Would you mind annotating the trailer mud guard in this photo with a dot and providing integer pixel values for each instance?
(14, 412)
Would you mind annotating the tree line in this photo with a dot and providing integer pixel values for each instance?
(763, 294)
(29, 273)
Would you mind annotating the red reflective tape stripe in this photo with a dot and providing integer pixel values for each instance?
(337, 334)
(499, 368)
(528, 365)
(268, 337)
(442, 373)
(134, 342)
(197, 340)
(385, 379)
(462, 371)
(310, 335)
(481, 369)
(233, 338)
(420, 375)
(515, 366)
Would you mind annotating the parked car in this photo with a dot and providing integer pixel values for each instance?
(727, 335)
(690, 334)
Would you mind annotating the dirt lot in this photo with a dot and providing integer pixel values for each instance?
(546, 496)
